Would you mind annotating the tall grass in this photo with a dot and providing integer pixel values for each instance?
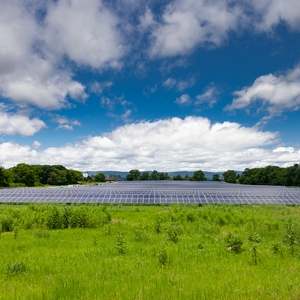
(85, 262)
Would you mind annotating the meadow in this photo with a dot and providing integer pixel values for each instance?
(177, 251)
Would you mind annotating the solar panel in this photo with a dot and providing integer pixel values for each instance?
(155, 192)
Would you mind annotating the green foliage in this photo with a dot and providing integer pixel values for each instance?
(230, 176)
(272, 175)
(23, 173)
(144, 176)
(234, 243)
(120, 243)
(255, 239)
(291, 237)
(15, 269)
(163, 257)
(100, 177)
(177, 177)
(83, 263)
(157, 224)
(216, 177)
(133, 175)
(6, 177)
(16, 232)
(173, 231)
(41, 234)
(199, 176)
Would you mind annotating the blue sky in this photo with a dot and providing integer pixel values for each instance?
(165, 85)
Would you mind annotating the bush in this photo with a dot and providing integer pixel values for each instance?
(234, 243)
(15, 268)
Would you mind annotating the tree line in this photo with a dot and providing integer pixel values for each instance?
(38, 175)
(135, 175)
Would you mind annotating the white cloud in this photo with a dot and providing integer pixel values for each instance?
(65, 127)
(98, 87)
(277, 93)
(167, 145)
(65, 123)
(147, 20)
(36, 144)
(270, 13)
(11, 124)
(180, 85)
(87, 32)
(284, 149)
(183, 99)
(26, 76)
(209, 97)
(188, 24)
(170, 83)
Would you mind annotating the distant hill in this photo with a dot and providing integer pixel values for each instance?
(207, 174)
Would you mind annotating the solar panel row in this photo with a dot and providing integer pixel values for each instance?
(155, 193)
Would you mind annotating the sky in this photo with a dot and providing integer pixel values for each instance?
(154, 84)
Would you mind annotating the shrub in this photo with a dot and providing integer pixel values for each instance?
(234, 243)
(173, 231)
(120, 243)
(163, 257)
(15, 268)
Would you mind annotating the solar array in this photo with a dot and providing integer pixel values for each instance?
(155, 192)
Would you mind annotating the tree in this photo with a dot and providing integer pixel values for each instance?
(154, 175)
(199, 176)
(216, 177)
(23, 173)
(5, 177)
(144, 176)
(133, 175)
(177, 177)
(100, 177)
(230, 176)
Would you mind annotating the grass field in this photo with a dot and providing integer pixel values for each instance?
(149, 252)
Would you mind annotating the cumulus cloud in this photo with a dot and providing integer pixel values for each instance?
(36, 144)
(11, 124)
(26, 76)
(276, 93)
(272, 12)
(87, 32)
(167, 145)
(183, 99)
(188, 24)
(284, 149)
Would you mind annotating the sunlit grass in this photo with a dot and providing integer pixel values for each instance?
(85, 263)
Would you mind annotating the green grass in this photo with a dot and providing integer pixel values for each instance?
(86, 263)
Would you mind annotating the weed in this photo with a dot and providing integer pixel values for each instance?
(120, 243)
(290, 235)
(15, 268)
(16, 232)
(234, 243)
(140, 235)
(157, 224)
(163, 257)
(173, 231)
(95, 240)
(190, 217)
(41, 234)
(107, 229)
(255, 239)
